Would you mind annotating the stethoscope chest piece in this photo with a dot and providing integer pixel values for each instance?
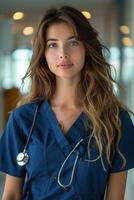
(22, 158)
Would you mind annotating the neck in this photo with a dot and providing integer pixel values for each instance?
(65, 94)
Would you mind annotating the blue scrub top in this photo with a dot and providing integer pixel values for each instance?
(48, 149)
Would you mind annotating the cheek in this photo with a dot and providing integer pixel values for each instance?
(81, 57)
(51, 59)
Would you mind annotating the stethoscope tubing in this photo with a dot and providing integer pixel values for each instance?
(32, 127)
(23, 157)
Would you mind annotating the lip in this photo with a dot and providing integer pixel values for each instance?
(65, 65)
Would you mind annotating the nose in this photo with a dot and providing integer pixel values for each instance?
(63, 54)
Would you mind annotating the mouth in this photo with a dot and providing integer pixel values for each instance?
(65, 65)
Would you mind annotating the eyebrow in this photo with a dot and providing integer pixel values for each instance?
(54, 39)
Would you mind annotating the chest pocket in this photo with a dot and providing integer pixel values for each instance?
(37, 158)
(90, 173)
(55, 157)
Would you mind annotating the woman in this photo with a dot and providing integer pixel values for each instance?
(75, 137)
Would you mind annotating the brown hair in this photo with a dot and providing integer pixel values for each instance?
(96, 85)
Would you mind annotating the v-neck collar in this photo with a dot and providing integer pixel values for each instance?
(76, 122)
(60, 136)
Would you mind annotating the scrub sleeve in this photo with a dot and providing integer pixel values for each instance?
(126, 145)
(10, 145)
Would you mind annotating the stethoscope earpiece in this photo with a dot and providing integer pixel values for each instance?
(22, 158)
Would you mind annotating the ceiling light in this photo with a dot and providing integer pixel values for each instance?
(86, 14)
(28, 30)
(127, 41)
(124, 29)
(18, 15)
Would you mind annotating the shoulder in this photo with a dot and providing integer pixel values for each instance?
(25, 111)
(127, 131)
(123, 114)
(126, 121)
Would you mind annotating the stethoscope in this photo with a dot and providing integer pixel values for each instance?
(66, 186)
(23, 157)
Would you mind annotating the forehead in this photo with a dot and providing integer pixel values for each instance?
(60, 30)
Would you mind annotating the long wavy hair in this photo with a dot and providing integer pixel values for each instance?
(95, 87)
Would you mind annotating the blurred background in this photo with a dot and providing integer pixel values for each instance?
(113, 19)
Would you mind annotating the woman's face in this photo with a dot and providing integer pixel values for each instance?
(64, 53)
